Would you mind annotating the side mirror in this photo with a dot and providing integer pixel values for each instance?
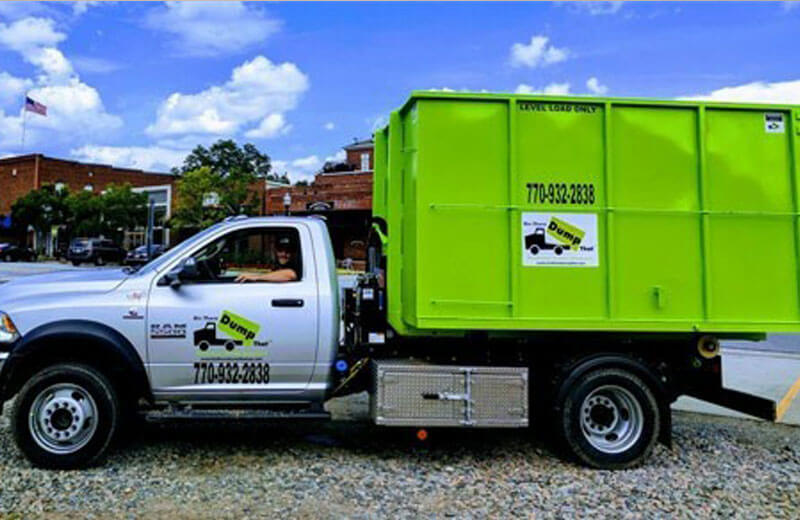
(189, 269)
(186, 270)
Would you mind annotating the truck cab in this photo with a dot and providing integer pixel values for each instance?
(179, 330)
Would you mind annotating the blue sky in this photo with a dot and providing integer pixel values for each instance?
(139, 84)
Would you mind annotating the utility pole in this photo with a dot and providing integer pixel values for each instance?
(149, 233)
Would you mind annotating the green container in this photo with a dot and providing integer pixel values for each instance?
(516, 212)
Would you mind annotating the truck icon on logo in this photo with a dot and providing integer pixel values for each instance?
(207, 337)
(536, 242)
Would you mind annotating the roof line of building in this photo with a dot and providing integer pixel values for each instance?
(21, 158)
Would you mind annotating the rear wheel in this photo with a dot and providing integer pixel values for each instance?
(66, 416)
(99, 260)
(609, 419)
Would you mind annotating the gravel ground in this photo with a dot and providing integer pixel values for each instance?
(718, 467)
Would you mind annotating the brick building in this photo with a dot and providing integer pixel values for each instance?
(22, 174)
(343, 196)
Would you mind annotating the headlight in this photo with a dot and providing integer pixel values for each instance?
(8, 331)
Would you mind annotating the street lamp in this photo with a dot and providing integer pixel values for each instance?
(287, 202)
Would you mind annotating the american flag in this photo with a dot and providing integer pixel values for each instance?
(33, 106)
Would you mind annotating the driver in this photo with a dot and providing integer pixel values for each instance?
(287, 268)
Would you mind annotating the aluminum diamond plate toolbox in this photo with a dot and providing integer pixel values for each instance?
(407, 393)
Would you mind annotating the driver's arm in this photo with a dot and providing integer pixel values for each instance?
(281, 275)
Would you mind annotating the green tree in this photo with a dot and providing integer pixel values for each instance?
(225, 158)
(226, 169)
(40, 209)
(198, 200)
(117, 209)
(122, 209)
(85, 215)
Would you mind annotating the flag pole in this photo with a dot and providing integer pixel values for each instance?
(24, 120)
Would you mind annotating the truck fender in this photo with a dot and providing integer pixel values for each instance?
(76, 340)
(584, 365)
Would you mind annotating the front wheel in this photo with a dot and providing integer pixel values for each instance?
(99, 261)
(609, 419)
(66, 416)
(76, 263)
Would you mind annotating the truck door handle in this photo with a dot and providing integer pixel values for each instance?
(287, 302)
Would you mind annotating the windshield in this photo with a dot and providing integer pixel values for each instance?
(178, 250)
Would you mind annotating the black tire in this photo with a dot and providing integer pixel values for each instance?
(203, 345)
(559, 250)
(108, 416)
(230, 345)
(574, 421)
(8, 258)
(76, 263)
(99, 261)
(534, 250)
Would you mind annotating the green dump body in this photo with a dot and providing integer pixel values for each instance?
(539, 213)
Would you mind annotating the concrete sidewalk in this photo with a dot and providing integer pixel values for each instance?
(766, 373)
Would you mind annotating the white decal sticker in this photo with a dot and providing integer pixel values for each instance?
(773, 123)
(559, 239)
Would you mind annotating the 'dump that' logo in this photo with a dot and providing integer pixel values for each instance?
(238, 327)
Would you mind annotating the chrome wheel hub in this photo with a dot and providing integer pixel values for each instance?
(63, 418)
(611, 419)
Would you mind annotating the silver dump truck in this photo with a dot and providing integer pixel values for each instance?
(180, 338)
(563, 264)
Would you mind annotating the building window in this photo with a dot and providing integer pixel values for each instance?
(365, 161)
(88, 187)
(59, 187)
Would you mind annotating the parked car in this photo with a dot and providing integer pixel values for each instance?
(14, 253)
(94, 250)
(139, 255)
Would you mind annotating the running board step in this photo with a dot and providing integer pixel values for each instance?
(235, 414)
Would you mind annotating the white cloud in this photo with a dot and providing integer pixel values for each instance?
(756, 92)
(311, 162)
(36, 39)
(12, 89)
(302, 169)
(79, 8)
(152, 158)
(75, 106)
(271, 126)
(595, 87)
(10, 131)
(75, 109)
(95, 65)
(257, 92)
(338, 157)
(14, 10)
(30, 33)
(594, 8)
(329, 125)
(553, 89)
(213, 28)
(539, 52)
